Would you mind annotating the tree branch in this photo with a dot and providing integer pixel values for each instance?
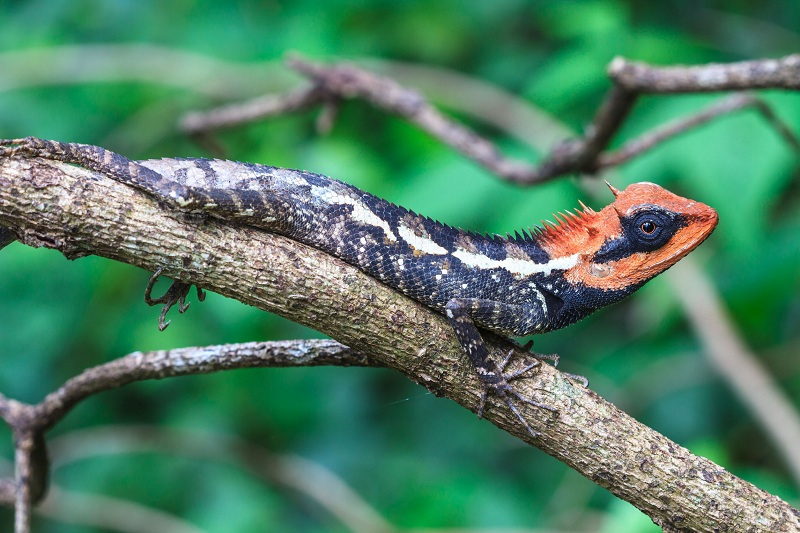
(31, 421)
(783, 73)
(235, 115)
(191, 361)
(727, 105)
(79, 212)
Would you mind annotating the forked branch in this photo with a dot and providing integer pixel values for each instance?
(587, 154)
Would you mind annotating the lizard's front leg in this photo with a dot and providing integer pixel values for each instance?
(462, 313)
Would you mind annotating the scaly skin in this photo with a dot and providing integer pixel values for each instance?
(532, 282)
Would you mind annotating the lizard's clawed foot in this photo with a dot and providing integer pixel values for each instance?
(528, 347)
(499, 384)
(549, 357)
(176, 294)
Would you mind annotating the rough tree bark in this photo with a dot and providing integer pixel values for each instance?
(79, 212)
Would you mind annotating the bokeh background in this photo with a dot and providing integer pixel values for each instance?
(167, 456)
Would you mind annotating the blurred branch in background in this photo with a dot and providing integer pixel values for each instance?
(289, 473)
(634, 76)
(737, 365)
(198, 74)
(338, 81)
(144, 63)
(109, 513)
(332, 83)
(730, 104)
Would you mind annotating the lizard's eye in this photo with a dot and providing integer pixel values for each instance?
(651, 229)
(646, 230)
(648, 226)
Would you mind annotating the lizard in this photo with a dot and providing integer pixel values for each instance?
(536, 281)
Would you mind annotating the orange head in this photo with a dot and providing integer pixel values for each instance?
(644, 232)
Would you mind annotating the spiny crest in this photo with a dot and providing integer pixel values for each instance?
(548, 232)
(428, 221)
(566, 226)
(517, 237)
(525, 236)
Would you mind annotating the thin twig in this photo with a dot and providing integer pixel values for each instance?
(231, 116)
(349, 81)
(581, 154)
(730, 104)
(202, 126)
(480, 100)
(23, 441)
(346, 81)
(31, 421)
(162, 364)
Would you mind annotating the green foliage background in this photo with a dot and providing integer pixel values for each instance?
(421, 462)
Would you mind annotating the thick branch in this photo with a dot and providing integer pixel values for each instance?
(79, 212)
